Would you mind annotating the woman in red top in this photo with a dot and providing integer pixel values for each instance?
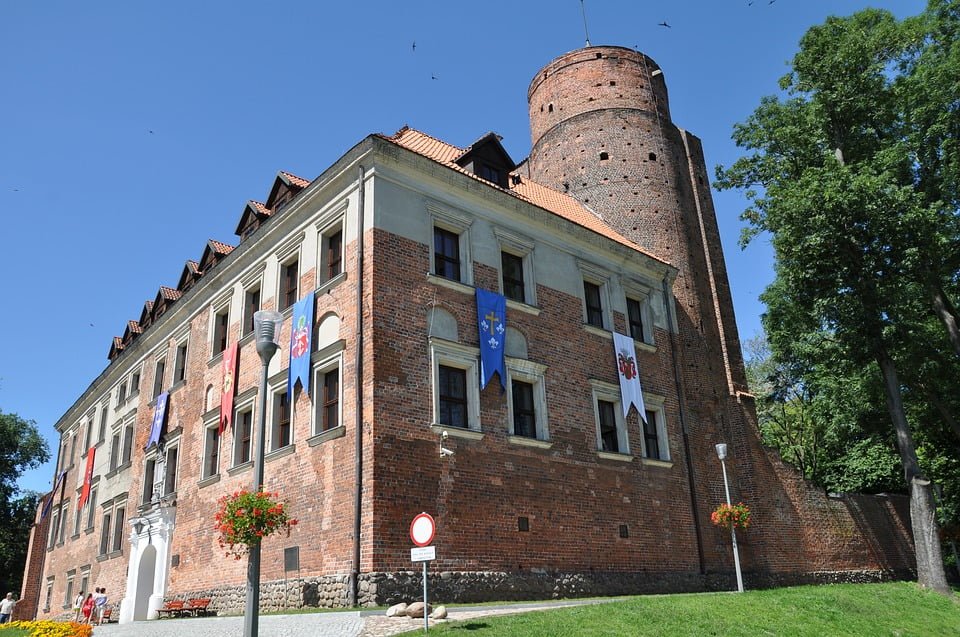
(87, 608)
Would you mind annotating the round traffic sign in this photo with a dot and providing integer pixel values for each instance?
(422, 529)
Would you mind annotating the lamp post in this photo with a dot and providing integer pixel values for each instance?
(266, 326)
(722, 454)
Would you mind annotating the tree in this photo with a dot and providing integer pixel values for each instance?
(861, 227)
(21, 447)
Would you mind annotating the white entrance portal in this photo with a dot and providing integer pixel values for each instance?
(149, 568)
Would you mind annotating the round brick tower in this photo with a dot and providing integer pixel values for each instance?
(602, 133)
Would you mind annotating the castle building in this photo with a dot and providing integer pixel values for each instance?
(551, 491)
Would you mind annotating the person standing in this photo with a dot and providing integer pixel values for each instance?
(77, 605)
(87, 608)
(100, 604)
(6, 608)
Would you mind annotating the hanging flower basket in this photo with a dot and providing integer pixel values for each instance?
(245, 518)
(731, 516)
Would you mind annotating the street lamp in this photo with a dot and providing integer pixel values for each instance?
(266, 326)
(722, 454)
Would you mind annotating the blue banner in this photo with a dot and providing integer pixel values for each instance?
(53, 493)
(492, 328)
(159, 414)
(301, 333)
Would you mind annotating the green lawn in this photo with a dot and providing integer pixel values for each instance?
(899, 609)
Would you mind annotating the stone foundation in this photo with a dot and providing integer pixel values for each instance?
(451, 587)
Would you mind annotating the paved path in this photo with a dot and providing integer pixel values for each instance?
(332, 624)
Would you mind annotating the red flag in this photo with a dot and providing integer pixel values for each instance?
(229, 387)
(87, 479)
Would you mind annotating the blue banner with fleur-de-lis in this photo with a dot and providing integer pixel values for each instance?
(492, 327)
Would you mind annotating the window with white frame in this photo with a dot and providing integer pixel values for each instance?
(289, 283)
(516, 268)
(158, 374)
(455, 382)
(221, 329)
(180, 363)
(77, 519)
(451, 258)
(119, 517)
(171, 453)
(149, 477)
(211, 451)
(526, 400)
(280, 421)
(91, 508)
(596, 300)
(105, 528)
(608, 414)
(330, 264)
(68, 593)
(54, 526)
(656, 445)
(242, 435)
(88, 432)
(116, 441)
(327, 396)
(251, 305)
(135, 382)
(128, 435)
(639, 319)
(102, 433)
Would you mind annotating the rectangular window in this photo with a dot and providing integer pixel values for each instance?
(608, 426)
(453, 396)
(251, 304)
(158, 378)
(211, 452)
(242, 430)
(91, 508)
(135, 383)
(77, 518)
(149, 477)
(328, 406)
(591, 297)
(280, 432)
(289, 279)
(512, 268)
(115, 450)
(63, 522)
(85, 583)
(333, 246)
(180, 363)
(170, 477)
(54, 525)
(446, 254)
(635, 320)
(221, 325)
(524, 411)
(127, 443)
(102, 434)
(105, 534)
(118, 520)
(73, 447)
(48, 599)
(121, 395)
(88, 434)
(651, 440)
(68, 597)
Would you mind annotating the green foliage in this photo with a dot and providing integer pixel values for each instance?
(806, 611)
(21, 448)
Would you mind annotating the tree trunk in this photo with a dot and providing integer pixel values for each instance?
(926, 537)
(947, 314)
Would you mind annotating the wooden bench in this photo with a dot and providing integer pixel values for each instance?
(198, 607)
(173, 608)
(107, 616)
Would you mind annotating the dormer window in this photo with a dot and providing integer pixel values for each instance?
(489, 173)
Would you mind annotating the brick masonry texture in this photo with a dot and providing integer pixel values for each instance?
(601, 132)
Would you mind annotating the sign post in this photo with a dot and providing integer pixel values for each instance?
(422, 530)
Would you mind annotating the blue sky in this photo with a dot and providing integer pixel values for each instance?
(132, 132)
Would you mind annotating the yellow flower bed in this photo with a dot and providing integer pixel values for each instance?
(48, 628)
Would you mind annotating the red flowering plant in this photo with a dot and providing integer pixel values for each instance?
(245, 518)
(730, 516)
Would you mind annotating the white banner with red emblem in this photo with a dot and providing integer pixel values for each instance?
(629, 373)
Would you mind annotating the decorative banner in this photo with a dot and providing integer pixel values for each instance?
(630, 391)
(159, 413)
(46, 507)
(228, 386)
(87, 479)
(301, 331)
(492, 327)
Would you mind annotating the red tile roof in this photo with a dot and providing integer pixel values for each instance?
(558, 203)
(193, 266)
(134, 327)
(298, 181)
(169, 293)
(117, 343)
(259, 208)
(220, 248)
